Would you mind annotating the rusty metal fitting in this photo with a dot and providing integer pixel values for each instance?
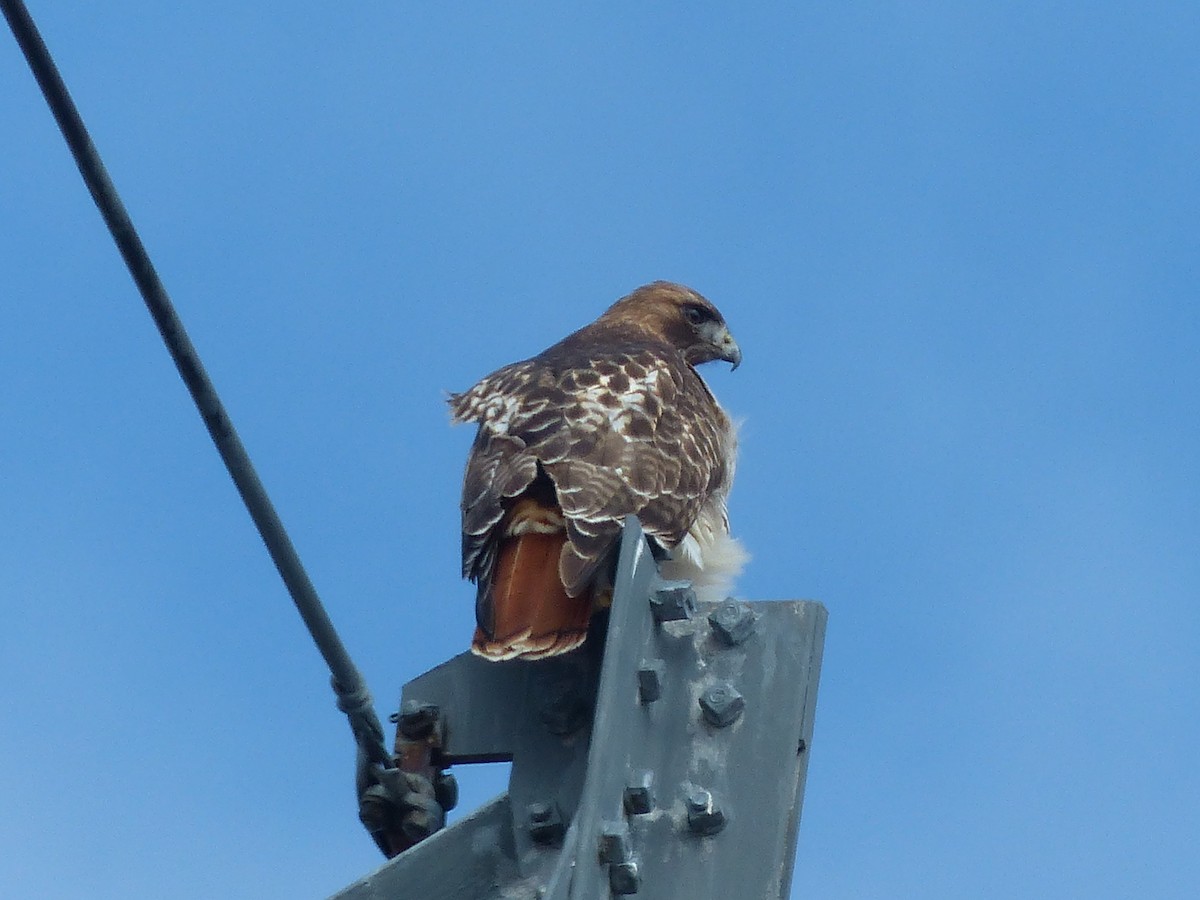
(416, 720)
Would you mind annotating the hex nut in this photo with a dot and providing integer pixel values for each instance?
(624, 877)
(639, 794)
(673, 601)
(732, 622)
(614, 844)
(545, 823)
(721, 705)
(650, 679)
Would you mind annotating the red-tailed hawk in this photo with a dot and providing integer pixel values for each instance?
(612, 420)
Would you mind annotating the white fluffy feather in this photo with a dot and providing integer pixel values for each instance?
(709, 557)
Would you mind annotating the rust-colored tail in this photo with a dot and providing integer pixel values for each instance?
(531, 615)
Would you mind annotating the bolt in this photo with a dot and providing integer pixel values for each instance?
(672, 601)
(703, 815)
(639, 794)
(545, 823)
(721, 705)
(417, 720)
(699, 801)
(732, 622)
(650, 678)
(803, 746)
(614, 846)
(624, 878)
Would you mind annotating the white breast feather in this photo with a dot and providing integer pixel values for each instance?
(709, 557)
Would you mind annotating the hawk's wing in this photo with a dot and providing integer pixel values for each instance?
(634, 431)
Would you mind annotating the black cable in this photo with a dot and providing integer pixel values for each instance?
(348, 684)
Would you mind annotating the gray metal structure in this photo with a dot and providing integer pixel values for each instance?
(669, 762)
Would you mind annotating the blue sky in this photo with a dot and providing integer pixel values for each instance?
(958, 244)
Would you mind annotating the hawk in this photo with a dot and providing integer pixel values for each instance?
(612, 420)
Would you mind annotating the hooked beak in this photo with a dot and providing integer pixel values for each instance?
(730, 351)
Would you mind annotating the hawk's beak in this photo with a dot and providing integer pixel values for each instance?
(730, 351)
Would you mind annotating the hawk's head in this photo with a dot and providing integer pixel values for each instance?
(680, 317)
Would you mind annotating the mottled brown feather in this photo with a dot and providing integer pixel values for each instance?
(613, 420)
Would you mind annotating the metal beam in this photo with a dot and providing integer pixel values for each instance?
(686, 781)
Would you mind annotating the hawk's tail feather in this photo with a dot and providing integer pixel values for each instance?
(525, 646)
(531, 615)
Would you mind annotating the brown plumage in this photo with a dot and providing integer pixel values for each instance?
(611, 421)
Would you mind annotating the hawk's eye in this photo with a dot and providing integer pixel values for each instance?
(695, 314)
